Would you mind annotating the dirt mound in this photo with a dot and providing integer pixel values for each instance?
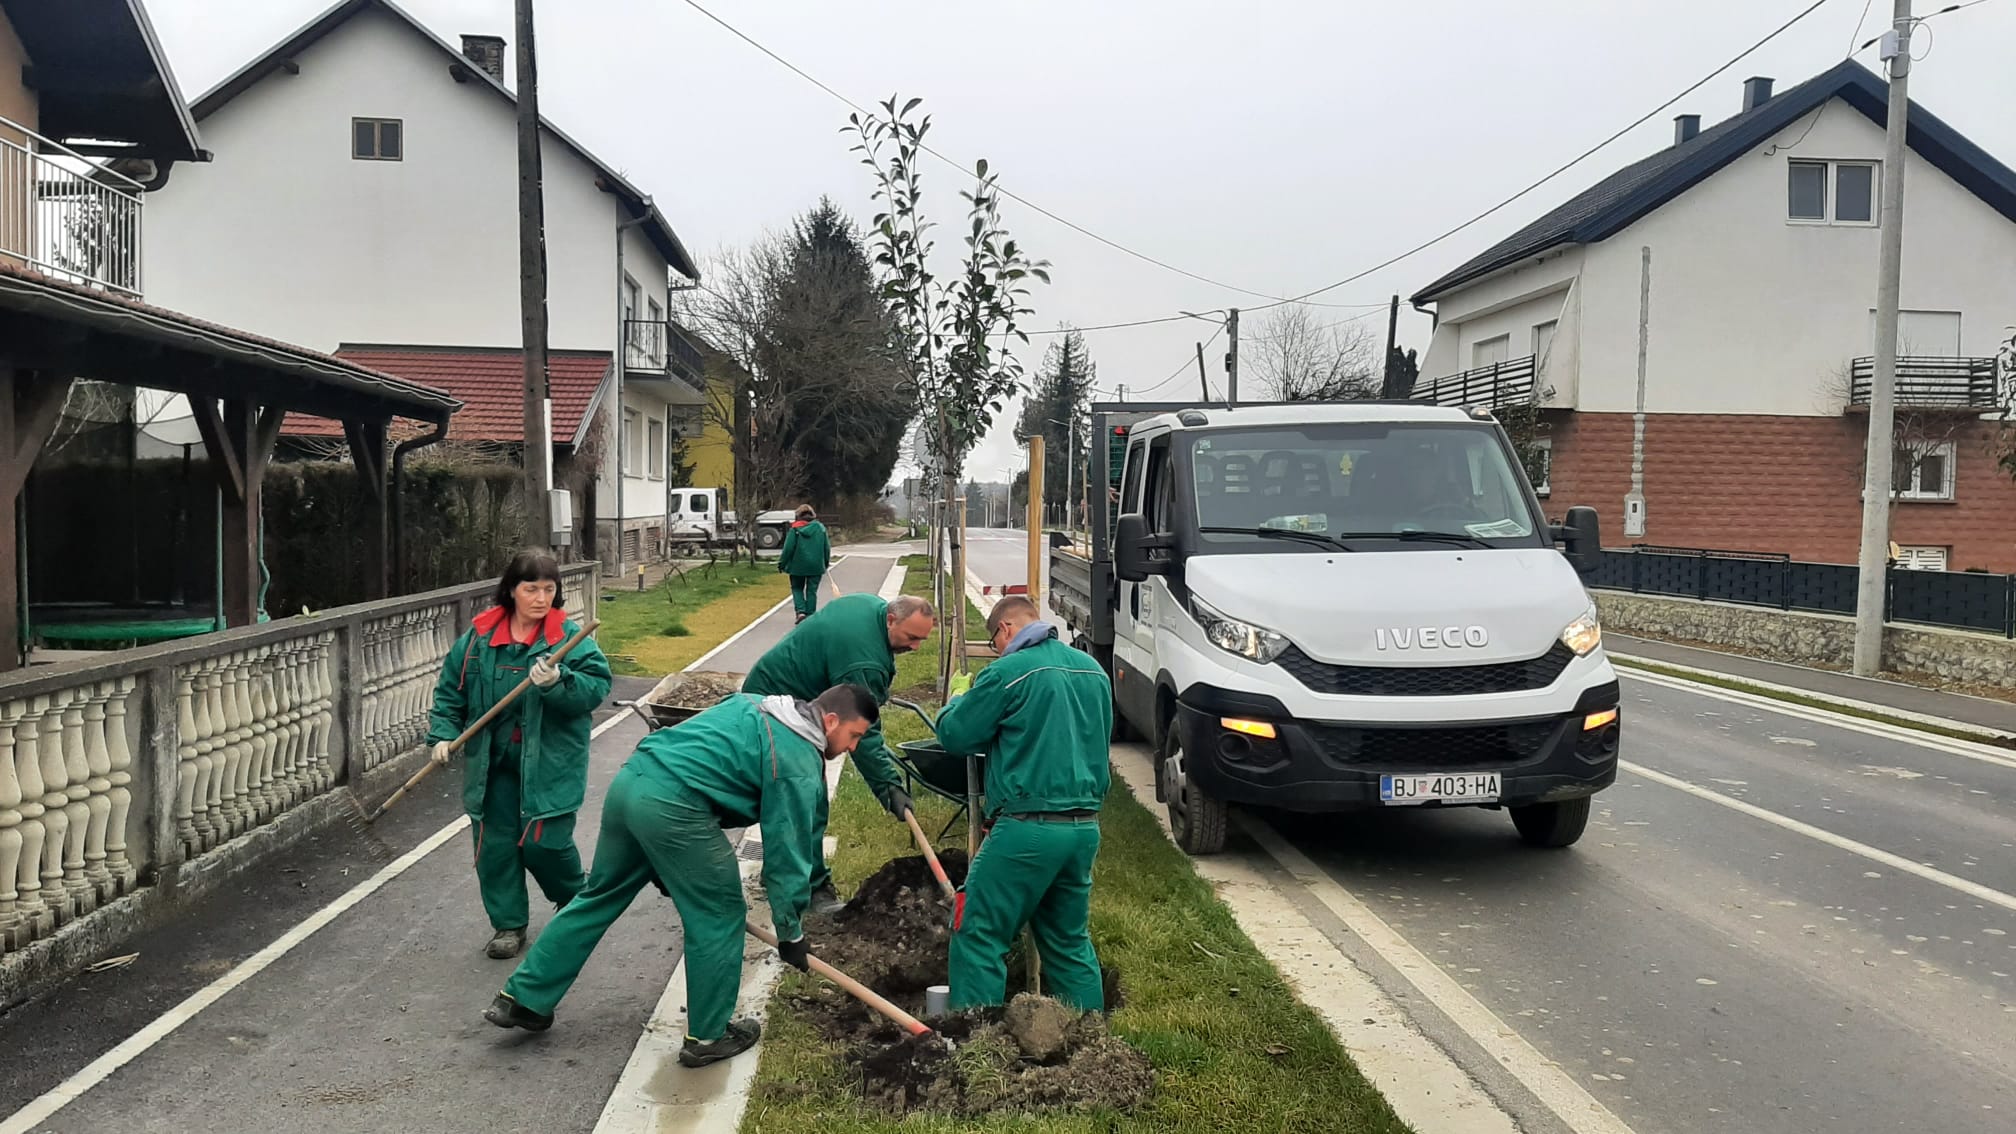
(1034, 1055)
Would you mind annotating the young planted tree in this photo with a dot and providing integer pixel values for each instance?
(955, 332)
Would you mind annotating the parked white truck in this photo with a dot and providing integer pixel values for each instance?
(1322, 607)
(701, 519)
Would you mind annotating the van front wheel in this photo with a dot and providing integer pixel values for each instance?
(1196, 820)
(1552, 825)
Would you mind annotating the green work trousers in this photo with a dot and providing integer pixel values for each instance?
(1036, 873)
(805, 593)
(650, 827)
(507, 848)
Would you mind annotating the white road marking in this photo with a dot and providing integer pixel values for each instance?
(1556, 1089)
(98, 1070)
(1981, 752)
(1838, 842)
(892, 583)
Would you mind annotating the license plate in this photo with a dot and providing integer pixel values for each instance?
(1452, 787)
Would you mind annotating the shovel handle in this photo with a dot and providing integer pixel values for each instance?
(483, 721)
(851, 986)
(930, 856)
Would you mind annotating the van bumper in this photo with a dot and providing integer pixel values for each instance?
(1335, 765)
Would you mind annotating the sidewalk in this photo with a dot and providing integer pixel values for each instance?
(1959, 708)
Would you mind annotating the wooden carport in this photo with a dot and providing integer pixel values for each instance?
(240, 387)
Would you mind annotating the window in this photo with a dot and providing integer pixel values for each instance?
(697, 503)
(1923, 334)
(654, 312)
(1490, 352)
(1161, 491)
(377, 139)
(633, 442)
(1540, 466)
(631, 293)
(656, 449)
(1831, 192)
(1130, 485)
(1924, 473)
(1543, 339)
(1921, 558)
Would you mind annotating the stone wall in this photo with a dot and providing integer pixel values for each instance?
(1825, 640)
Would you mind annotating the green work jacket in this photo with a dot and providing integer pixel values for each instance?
(807, 550)
(1042, 716)
(847, 642)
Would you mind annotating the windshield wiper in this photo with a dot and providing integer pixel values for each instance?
(1419, 537)
(1318, 538)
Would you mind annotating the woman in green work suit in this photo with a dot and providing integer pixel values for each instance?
(524, 776)
(806, 554)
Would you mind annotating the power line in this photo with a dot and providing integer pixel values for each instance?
(1187, 364)
(1005, 192)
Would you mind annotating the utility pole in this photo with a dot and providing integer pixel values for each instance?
(532, 297)
(1232, 359)
(1392, 341)
(1873, 565)
(1203, 383)
(1120, 391)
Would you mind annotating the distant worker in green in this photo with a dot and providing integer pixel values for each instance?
(1042, 714)
(806, 555)
(525, 775)
(748, 761)
(854, 640)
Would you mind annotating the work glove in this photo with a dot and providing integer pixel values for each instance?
(960, 683)
(545, 674)
(899, 802)
(444, 751)
(797, 954)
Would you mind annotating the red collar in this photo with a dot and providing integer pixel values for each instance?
(496, 622)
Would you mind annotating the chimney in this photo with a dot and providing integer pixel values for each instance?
(1685, 126)
(1756, 92)
(487, 52)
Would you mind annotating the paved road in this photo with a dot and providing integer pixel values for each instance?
(1701, 969)
(370, 1024)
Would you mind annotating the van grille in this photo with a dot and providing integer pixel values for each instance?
(1426, 681)
(1401, 749)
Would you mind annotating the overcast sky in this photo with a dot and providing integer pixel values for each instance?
(1274, 145)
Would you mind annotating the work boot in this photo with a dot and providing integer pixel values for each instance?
(740, 1037)
(826, 901)
(507, 944)
(508, 1013)
(802, 616)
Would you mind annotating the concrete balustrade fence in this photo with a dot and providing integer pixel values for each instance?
(169, 767)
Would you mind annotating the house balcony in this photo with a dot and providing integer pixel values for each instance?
(1508, 383)
(1930, 383)
(65, 215)
(657, 347)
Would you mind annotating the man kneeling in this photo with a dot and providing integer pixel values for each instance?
(746, 761)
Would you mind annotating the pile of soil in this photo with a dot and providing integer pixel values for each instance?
(1035, 1054)
(696, 689)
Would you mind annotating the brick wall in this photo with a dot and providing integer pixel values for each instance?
(1778, 484)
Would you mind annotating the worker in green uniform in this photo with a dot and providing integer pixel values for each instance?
(524, 776)
(853, 641)
(749, 760)
(1041, 714)
(806, 555)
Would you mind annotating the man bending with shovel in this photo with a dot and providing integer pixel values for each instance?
(1041, 714)
(749, 760)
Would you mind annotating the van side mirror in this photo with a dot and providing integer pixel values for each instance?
(1131, 544)
(1581, 540)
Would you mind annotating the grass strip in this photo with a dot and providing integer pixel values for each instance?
(659, 631)
(1737, 685)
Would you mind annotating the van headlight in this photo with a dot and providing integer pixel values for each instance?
(1236, 637)
(1584, 634)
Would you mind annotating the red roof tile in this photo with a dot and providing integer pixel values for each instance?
(488, 382)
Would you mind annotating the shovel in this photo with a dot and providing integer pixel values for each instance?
(852, 987)
(483, 721)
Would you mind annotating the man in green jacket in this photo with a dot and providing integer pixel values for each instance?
(854, 641)
(806, 555)
(1041, 714)
(749, 760)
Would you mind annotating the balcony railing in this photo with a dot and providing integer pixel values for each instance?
(658, 346)
(65, 215)
(1927, 382)
(1505, 383)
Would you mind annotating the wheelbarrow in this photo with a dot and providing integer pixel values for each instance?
(926, 764)
(682, 696)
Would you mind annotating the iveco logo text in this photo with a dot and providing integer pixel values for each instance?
(1431, 637)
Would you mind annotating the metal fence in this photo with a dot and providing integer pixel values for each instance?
(1964, 600)
(1505, 383)
(65, 214)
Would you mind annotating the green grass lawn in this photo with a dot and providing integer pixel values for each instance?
(1233, 1048)
(655, 632)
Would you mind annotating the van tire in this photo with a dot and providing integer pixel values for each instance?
(1196, 820)
(1552, 825)
(769, 539)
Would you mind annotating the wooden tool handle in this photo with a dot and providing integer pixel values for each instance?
(483, 721)
(852, 987)
(930, 856)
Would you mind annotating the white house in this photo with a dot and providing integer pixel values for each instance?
(1725, 288)
(365, 196)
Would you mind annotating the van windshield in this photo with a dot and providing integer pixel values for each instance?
(1429, 486)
